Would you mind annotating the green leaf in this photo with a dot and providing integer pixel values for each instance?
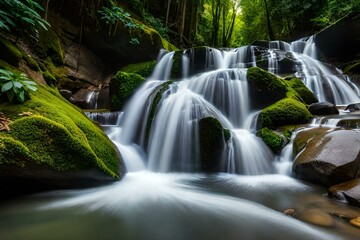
(17, 84)
(21, 96)
(32, 88)
(29, 83)
(7, 86)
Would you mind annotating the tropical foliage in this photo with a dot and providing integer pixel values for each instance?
(21, 17)
(16, 85)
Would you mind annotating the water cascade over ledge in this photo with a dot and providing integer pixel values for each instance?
(165, 136)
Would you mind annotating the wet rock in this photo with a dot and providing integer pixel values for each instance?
(328, 158)
(348, 190)
(212, 143)
(290, 212)
(353, 107)
(316, 217)
(323, 108)
(355, 222)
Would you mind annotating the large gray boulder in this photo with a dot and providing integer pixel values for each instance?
(328, 157)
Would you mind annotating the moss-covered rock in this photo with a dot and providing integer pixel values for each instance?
(177, 65)
(155, 98)
(274, 141)
(211, 143)
(122, 86)
(9, 52)
(144, 69)
(306, 95)
(284, 112)
(50, 46)
(267, 87)
(56, 143)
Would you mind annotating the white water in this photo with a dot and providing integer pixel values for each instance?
(149, 205)
(328, 84)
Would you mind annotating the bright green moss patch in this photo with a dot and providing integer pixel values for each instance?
(306, 95)
(122, 86)
(265, 88)
(272, 139)
(266, 82)
(284, 112)
(59, 135)
(143, 69)
(13, 152)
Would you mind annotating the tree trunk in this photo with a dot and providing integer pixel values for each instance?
(271, 33)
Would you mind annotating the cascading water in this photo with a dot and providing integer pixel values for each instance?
(159, 132)
(328, 84)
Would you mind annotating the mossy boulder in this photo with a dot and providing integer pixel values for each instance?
(274, 141)
(212, 142)
(49, 46)
(53, 143)
(9, 52)
(306, 95)
(287, 111)
(155, 98)
(122, 86)
(266, 87)
(144, 69)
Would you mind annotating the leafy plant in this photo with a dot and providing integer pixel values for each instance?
(21, 17)
(116, 15)
(16, 85)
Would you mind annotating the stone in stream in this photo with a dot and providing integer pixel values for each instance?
(313, 216)
(348, 190)
(353, 107)
(327, 157)
(355, 222)
(323, 108)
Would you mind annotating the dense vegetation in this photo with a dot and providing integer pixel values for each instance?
(233, 23)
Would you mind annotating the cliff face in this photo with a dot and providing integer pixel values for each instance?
(82, 52)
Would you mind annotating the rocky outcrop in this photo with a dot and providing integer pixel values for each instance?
(79, 55)
(344, 48)
(328, 157)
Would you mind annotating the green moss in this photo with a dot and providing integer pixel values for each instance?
(168, 46)
(284, 112)
(272, 139)
(13, 152)
(265, 81)
(6, 66)
(155, 98)
(352, 67)
(211, 143)
(143, 69)
(306, 95)
(59, 135)
(9, 52)
(176, 68)
(227, 134)
(266, 87)
(53, 75)
(49, 46)
(122, 86)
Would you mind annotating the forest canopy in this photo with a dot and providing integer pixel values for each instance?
(228, 23)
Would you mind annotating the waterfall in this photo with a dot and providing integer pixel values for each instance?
(160, 129)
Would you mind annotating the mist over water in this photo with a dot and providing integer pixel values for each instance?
(163, 196)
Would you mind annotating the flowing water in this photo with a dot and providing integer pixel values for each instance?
(163, 196)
